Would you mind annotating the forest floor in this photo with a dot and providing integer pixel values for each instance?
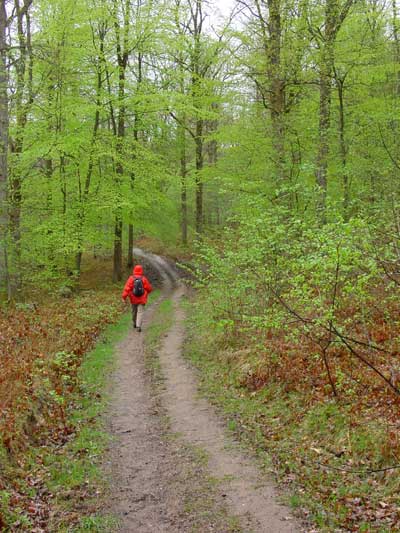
(174, 462)
(173, 468)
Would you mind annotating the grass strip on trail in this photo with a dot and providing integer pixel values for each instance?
(199, 491)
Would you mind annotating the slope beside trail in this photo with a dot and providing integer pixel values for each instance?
(153, 475)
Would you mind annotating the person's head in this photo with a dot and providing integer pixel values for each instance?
(138, 270)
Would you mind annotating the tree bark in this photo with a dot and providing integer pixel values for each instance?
(343, 150)
(4, 123)
(396, 39)
(183, 172)
(196, 94)
(323, 145)
(334, 17)
(84, 196)
(136, 137)
(22, 106)
(122, 58)
(198, 178)
(274, 88)
(277, 89)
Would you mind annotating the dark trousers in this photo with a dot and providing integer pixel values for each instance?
(137, 315)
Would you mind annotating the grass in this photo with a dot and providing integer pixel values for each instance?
(161, 323)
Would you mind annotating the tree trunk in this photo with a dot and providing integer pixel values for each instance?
(83, 197)
(129, 263)
(117, 264)
(275, 86)
(343, 150)
(4, 122)
(183, 171)
(196, 95)
(325, 80)
(396, 39)
(198, 178)
(323, 145)
(122, 58)
(276, 90)
(22, 106)
(117, 272)
(136, 137)
(334, 17)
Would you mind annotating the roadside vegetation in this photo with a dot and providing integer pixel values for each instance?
(295, 332)
(52, 398)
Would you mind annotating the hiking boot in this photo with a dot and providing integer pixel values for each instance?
(139, 329)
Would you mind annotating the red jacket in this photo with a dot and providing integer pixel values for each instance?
(137, 272)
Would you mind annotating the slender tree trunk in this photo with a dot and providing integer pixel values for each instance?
(129, 263)
(117, 272)
(343, 150)
(182, 126)
(3, 146)
(324, 125)
(395, 112)
(325, 80)
(396, 39)
(84, 196)
(275, 98)
(48, 167)
(122, 58)
(196, 95)
(183, 172)
(335, 14)
(212, 158)
(23, 103)
(117, 263)
(277, 89)
(64, 193)
(198, 177)
(136, 137)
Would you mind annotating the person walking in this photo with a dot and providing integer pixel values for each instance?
(137, 288)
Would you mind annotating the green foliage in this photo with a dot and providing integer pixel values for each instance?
(270, 269)
(12, 513)
(74, 173)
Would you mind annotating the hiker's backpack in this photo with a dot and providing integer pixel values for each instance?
(138, 288)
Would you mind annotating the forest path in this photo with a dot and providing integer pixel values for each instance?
(158, 483)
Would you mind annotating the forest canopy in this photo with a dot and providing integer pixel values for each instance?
(121, 118)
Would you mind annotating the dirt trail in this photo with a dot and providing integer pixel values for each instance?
(149, 489)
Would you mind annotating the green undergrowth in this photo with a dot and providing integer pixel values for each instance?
(320, 452)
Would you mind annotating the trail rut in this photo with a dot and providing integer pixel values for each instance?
(248, 495)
